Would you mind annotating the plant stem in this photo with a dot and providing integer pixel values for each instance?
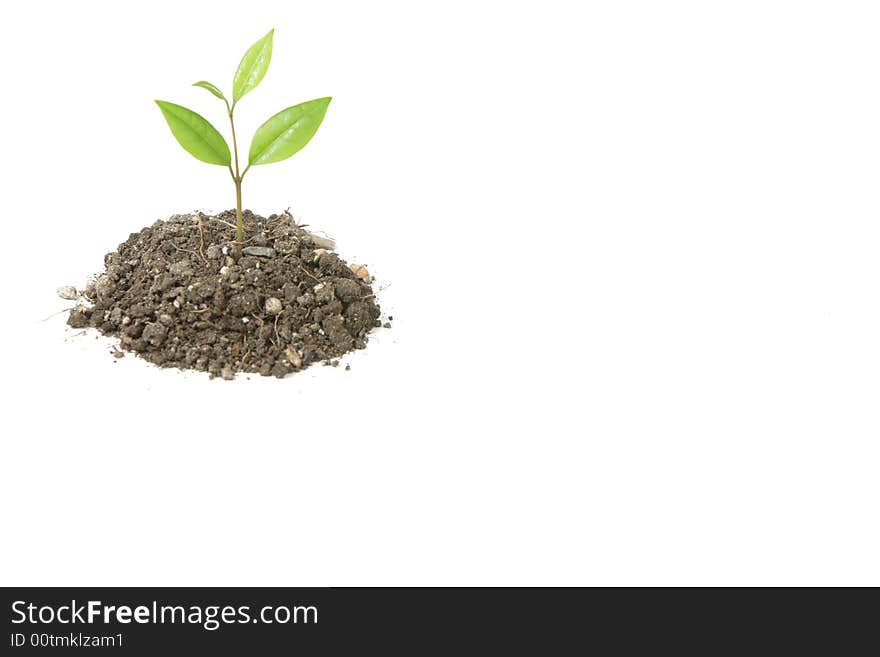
(236, 177)
(239, 222)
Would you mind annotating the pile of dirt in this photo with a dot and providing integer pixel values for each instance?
(181, 293)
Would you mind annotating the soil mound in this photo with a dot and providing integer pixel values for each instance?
(181, 293)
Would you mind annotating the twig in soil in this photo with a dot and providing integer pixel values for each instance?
(53, 314)
(274, 229)
(244, 346)
(222, 222)
(309, 274)
(281, 218)
(191, 252)
(277, 337)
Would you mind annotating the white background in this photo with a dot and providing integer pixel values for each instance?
(631, 250)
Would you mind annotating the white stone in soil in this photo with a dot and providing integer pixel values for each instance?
(66, 292)
(273, 306)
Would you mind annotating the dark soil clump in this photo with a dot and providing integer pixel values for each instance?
(181, 293)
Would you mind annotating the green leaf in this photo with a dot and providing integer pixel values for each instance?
(198, 137)
(210, 87)
(253, 67)
(287, 132)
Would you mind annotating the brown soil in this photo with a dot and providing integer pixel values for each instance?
(180, 293)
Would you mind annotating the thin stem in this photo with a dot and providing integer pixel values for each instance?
(239, 222)
(234, 142)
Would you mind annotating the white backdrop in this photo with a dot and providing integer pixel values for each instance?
(630, 249)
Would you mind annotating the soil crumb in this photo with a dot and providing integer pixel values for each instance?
(181, 293)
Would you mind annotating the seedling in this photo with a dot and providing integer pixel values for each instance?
(277, 139)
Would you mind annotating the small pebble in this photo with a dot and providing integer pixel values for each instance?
(66, 292)
(322, 242)
(227, 374)
(273, 306)
(103, 286)
(387, 324)
(261, 251)
(361, 272)
(293, 357)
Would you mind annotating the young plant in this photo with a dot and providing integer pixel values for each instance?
(277, 139)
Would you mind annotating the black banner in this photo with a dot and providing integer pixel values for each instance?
(151, 621)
